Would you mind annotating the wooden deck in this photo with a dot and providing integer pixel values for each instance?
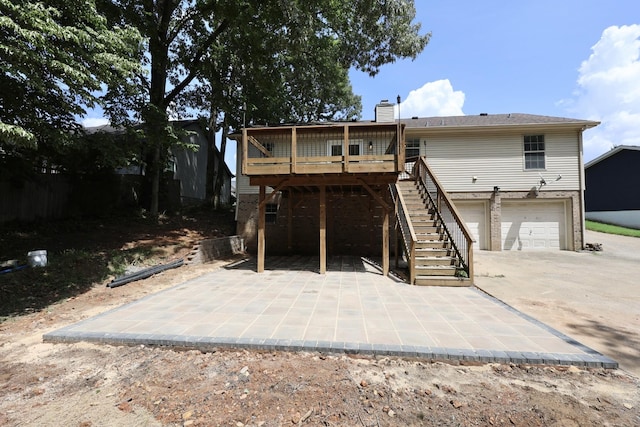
(315, 158)
(346, 148)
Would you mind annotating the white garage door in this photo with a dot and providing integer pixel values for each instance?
(533, 225)
(474, 215)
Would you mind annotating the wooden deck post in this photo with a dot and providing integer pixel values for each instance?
(290, 223)
(396, 226)
(323, 230)
(385, 243)
(262, 207)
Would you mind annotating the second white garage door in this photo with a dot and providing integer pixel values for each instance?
(533, 225)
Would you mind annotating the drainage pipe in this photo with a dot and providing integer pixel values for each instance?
(13, 268)
(143, 274)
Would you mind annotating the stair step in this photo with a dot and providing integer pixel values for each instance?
(433, 252)
(426, 229)
(439, 244)
(422, 216)
(425, 219)
(442, 281)
(436, 270)
(436, 261)
(428, 236)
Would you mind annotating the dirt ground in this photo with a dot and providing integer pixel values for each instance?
(99, 385)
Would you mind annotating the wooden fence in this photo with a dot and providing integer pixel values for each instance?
(60, 196)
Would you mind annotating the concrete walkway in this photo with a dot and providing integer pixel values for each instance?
(352, 308)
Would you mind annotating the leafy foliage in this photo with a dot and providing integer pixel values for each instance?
(56, 56)
(288, 60)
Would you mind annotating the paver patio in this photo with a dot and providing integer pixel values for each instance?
(352, 308)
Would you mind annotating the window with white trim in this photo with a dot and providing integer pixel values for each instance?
(534, 155)
(412, 148)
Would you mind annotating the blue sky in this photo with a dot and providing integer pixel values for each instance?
(565, 58)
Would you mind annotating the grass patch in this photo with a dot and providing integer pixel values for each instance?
(612, 229)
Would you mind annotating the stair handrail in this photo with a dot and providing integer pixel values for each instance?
(406, 228)
(458, 232)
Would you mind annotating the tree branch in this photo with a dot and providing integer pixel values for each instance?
(195, 62)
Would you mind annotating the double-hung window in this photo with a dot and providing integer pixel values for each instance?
(534, 155)
(412, 148)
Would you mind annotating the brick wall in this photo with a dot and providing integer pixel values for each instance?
(354, 224)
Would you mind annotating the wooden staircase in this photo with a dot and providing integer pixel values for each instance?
(435, 260)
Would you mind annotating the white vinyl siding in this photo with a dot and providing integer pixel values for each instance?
(496, 159)
(242, 181)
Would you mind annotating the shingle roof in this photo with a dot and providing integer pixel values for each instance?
(492, 120)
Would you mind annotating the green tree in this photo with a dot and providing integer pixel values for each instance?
(56, 58)
(288, 60)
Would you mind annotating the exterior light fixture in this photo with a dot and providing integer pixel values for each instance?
(370, 145)
(496, 189)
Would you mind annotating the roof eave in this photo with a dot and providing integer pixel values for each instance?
(610, 153)
(581, 125)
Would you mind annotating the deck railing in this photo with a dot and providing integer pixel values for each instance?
(406, 229)
(319, 149)
(454, 226)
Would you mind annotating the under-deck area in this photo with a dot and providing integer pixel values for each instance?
(325, 186)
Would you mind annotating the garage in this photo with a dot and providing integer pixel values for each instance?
(474, 215)
(533, 225)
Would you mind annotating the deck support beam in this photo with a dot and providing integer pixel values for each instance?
(385, 243)
(262, 208)
(323, 230)
(290, 223)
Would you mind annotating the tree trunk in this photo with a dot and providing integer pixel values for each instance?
(212, 165)
(220, 178)
(155, 181)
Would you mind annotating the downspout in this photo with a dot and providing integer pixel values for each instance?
(582, 188)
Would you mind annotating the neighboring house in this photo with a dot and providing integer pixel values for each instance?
(612, 192)
(515, 179)
(189, 167)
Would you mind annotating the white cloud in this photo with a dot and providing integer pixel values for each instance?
(433, 99)
(609, 90)
(94, 121)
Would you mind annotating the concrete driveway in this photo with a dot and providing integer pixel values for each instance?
(593, 297)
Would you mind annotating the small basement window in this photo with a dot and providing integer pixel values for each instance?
(534, 157)
(271, 213)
